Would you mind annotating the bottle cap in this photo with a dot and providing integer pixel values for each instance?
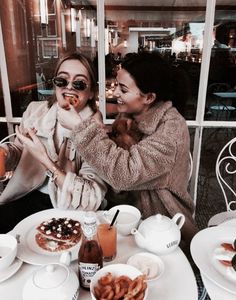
(90, 218)
(90, 224)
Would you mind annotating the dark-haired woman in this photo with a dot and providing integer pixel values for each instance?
(156, 169)
(43, 147)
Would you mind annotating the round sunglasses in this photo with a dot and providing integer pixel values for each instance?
(79, 85)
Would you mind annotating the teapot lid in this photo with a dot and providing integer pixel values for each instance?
(160, 222)
(50, 276)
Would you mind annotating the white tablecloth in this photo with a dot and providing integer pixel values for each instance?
(177, 282)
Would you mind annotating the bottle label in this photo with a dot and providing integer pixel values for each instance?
(87, 271)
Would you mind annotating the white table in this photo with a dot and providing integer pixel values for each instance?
(223, 110)
(177, 282)
(225, 94)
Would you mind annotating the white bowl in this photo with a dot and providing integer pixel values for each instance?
(149, 264)
(115, 270)
(8, 249)
(128, 218)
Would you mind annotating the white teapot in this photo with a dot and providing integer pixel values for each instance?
(159, 234)
(53, 281)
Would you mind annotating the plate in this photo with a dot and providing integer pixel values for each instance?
(203, 246)
(11, 270)
(28, 249)
(117, 270)
(231, 222)
(149, 264)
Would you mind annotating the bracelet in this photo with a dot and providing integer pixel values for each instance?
(52, 174)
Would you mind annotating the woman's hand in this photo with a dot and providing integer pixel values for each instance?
(38, 150)
(68, 118)
(34, 145)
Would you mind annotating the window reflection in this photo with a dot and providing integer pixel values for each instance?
(3, 130)
(2, 106)
(171, 30)
(37, 38)
(32, 47)
(221, 92)
(3, 126)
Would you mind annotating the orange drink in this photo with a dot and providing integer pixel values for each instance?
(107, 237)
(2, 162)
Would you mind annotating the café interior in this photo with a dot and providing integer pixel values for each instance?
(197, 36)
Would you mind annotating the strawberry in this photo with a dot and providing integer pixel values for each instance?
(226, 263)
(228, 247)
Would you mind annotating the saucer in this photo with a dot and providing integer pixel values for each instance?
(11, 270)
(149, 264)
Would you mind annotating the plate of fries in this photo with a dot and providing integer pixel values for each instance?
(119, 281)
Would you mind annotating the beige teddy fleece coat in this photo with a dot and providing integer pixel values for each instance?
(82, 189)
(155, 170)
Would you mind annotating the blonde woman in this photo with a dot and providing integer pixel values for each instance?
(49, 171)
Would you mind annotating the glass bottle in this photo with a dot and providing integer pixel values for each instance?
(90, 256)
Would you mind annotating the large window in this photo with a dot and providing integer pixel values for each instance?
(221, 90)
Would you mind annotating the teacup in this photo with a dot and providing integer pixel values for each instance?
(8, 250)
(128, 218)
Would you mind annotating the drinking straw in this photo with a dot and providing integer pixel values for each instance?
(7, 137)
(114, 218)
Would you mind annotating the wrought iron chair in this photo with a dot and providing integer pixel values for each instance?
(190, 166)
(226, 165)
(219, 108)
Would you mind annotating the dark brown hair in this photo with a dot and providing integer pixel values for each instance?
(88, 64)
(153, 74)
